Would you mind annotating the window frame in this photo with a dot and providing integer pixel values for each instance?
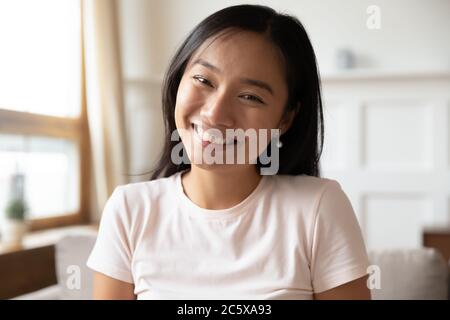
(75, 130)
(72, 128)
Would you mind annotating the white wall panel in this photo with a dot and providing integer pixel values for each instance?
(398, 135)
(392, 133)
(395, 221)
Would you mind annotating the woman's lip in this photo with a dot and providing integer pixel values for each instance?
(207, 142)
(203, 142)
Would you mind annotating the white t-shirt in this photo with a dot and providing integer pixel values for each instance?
(291, 237)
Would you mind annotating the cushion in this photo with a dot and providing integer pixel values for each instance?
(410, 274)
(74, 277)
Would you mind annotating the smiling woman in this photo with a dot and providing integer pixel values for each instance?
(201, 230)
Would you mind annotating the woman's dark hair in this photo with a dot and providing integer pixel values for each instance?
(302, 143)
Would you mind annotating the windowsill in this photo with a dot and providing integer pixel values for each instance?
(37, 239)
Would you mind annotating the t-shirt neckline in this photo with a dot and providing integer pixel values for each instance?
(197, 211)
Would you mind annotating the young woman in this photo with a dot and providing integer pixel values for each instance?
(223, 229)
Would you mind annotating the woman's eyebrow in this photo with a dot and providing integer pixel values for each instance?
(253, 82)
(207, 65)
(258, 83)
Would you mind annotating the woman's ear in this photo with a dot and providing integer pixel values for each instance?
(288, 119)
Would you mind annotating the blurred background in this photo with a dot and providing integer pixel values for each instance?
(80, 113)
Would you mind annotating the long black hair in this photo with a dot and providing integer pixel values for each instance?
(303, 141)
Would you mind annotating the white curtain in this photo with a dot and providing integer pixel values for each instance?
(104, 97)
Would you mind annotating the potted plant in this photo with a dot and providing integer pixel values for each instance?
(15, 226)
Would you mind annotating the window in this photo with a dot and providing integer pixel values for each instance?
(43, 130)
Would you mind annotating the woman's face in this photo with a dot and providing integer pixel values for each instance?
(235, 82)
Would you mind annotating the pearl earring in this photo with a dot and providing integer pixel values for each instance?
(279, 143)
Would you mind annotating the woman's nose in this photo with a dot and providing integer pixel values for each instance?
(218, 112)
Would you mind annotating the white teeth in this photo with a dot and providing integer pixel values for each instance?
(199, 130)
(207, 136)
(216, 139)
(212, 138)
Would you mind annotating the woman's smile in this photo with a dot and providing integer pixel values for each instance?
(212, 136)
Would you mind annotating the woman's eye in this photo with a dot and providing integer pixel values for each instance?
(252, 98)
(203, 80)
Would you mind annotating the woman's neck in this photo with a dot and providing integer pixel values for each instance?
(219, 189)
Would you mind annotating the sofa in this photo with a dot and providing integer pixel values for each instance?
(408, 274)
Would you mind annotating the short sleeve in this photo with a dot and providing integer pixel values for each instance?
(112, 253)
(338, 251)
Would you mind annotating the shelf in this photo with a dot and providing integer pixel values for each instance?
(370, 74)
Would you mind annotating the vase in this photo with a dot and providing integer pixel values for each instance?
(13, 231)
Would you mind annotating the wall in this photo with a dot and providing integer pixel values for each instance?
(414, 29)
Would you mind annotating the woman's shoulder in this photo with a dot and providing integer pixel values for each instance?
(305, 189)
(305, 183)
(309, 195)
(152, 189)
(132, 203)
